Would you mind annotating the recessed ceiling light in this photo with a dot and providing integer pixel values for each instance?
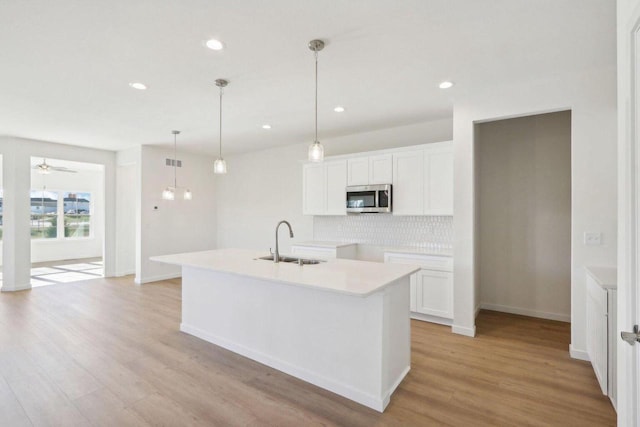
(446, 85)
(138, 85)
(214, 44)
(339, 109)
(266, 126)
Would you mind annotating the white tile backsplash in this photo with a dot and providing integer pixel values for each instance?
(429, 232)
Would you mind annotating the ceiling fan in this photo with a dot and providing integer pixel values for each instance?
(45, 168)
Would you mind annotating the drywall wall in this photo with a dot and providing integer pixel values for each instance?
(593, 178)
(16, 155)
(265, 187)
(524, 207)
(166, 227)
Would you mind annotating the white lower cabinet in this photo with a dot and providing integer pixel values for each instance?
(601, 332)
(431, 287)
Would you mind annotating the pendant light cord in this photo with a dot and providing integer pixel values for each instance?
(316, 139)
(220, 136)
(175, 162)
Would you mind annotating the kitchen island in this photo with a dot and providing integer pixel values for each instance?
(342, 325)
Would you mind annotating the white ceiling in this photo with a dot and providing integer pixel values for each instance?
(65, 65)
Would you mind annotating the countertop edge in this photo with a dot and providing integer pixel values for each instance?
(605, 276)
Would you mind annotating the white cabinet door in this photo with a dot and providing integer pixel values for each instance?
(380, 169)
(313, 189)
(358, 171)
(413, 291)
(438, 198)
(434, 293)
(336, 181)
(408, 183)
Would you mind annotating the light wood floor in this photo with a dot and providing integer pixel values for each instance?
(108, 352)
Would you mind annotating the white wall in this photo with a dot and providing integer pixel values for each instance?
(167, 227)
(16, 154)
(265, 187)
(591, 97)
(127, 210)
(91, 181)
(524, 206)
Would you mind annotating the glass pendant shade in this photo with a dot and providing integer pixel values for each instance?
(220, 166)
(187, 194)
(168, 194)
(316, 152)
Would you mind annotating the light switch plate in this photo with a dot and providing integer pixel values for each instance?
(592, 238)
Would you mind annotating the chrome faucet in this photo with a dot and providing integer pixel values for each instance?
(276, 255)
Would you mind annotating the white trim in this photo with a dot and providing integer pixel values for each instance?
(578, 354)
(337, 387)
(526, 312)
(362, 154)
(157, 278)
(23, 287)
(431, 319)
(463, 330)
(125, 273)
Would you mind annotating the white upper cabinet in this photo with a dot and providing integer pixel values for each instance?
(323, 188)
(358, 171)
(408, 183)
(336, 181)
(381, 169)
(422, 178)
(438, 167)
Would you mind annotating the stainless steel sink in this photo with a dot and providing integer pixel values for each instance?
(301, 261)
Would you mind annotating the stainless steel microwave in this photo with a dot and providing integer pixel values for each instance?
(369, 198)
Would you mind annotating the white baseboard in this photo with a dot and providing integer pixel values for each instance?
(124, 273)
(158, 278)
(527, 312)
(463, 330)
(23, 287)
(375, 402)
(578, 354)
(432, 319)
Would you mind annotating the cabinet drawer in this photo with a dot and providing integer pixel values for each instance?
(429, 262)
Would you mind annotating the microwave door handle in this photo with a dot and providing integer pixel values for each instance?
(377, 198)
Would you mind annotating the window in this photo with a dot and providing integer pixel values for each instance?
(77, 214)
(44, 214)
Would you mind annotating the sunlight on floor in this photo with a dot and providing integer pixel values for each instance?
(66, 273)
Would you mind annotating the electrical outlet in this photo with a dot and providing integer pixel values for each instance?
(592, 239)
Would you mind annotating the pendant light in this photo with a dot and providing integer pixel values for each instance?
(220, 165)
(316, 151)
(169, 193)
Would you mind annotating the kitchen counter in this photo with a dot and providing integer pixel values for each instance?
(356, 278)
(342, 325)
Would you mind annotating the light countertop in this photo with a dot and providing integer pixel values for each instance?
(357, 278)
(607, 277)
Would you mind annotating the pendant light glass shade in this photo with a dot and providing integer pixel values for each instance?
(220, 165)
(169, 193)
(316, 150)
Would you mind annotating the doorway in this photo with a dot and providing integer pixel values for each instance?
(67, 221)
(523, 168)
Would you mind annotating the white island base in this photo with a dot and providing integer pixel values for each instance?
(357, 347)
